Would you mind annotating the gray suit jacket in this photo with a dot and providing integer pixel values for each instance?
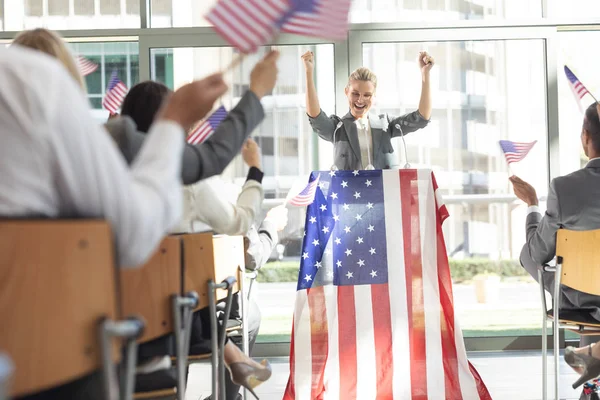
(203, 160)
(573, 203)
(343, 132)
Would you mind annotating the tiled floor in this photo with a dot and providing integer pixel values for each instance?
(509, 375)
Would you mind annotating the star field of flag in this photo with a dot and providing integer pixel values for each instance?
(344, 242)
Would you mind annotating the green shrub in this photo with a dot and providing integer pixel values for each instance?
(461, 270)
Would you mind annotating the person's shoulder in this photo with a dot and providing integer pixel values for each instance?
(573, 181)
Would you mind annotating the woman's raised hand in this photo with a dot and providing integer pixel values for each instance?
(309, 60)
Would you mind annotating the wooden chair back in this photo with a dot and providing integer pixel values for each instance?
(580, 252)
(147, 291)
(207, 257)
(57, 280)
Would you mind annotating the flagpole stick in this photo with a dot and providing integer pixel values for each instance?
(237, 60)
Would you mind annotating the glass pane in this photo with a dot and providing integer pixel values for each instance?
(122, 57)
(69, 14)
(58, 7)
(477, 91)
(576, 8)
(287, 144)
(84, 7)
(572, 52)
(364, 11)
(34, 8)
(171, 13)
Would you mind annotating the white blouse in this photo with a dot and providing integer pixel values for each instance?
(56, 161)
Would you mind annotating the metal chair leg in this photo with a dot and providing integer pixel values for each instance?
(130, 329)
(556, 326)
(182, 318)
(244, 306)
(544, 338)
(217, 356)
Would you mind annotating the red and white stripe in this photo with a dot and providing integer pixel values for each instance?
(329, 20)
(579, 90)
(201, 133)
(522, 149)
(398, 340)
(85, 66)
(114, 97)
(306, 196)
(247, 24)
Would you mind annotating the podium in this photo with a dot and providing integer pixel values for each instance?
(374, 313)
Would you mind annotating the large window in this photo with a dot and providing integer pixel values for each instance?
(477, 90)
(70, 14)
(499, 75)
(121, 58)
(442, 10)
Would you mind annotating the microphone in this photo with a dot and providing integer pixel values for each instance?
(339, 125)
(407, 165)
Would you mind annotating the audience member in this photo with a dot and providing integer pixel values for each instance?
(139, 109)
(210, 158)
(572, 204)
(51, 43)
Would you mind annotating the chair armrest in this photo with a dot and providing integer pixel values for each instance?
(548, 268)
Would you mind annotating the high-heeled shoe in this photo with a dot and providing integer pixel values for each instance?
(250, 376)
(590, 365)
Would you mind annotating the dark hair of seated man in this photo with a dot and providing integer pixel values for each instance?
(143, 102)
(591, 124)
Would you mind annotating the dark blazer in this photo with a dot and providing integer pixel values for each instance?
(202, 160)
(383, 129)
(573, 203)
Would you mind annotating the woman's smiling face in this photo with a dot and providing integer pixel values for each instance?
(360, 97)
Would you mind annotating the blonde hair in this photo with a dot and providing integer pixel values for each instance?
(51, 43)
(363, 74)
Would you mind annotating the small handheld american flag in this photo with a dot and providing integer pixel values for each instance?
(207, 127)
(251, 23)
(578, 89)
(306, 196)
(115, 94)
(515, 151)
(85, 66)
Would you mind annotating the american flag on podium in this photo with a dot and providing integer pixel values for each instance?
(206, 128)
(115, 93)
(515, 151)
(249, 24)
(374, 315)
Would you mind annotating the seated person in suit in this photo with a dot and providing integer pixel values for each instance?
(57, 162)
(205, 209)
(573, 203)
